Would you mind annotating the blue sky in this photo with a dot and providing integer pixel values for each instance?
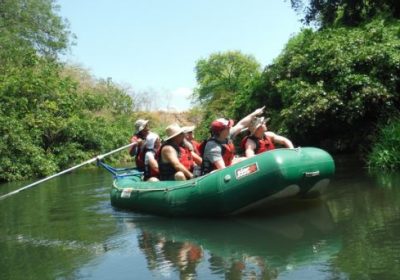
(153, 45)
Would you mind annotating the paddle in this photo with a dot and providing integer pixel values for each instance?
(65, 171)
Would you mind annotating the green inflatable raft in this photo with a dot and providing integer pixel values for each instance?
(236, 189)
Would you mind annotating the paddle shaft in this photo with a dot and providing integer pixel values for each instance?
(64, 171)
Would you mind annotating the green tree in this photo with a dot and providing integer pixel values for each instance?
(326, 13)
(334, 85)
(223, 78)
(31, 25)
(48, 122)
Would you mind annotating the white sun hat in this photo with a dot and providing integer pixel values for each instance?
(173, 130)
(140, 124)
(187, 129)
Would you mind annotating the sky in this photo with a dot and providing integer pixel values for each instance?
(153, 45)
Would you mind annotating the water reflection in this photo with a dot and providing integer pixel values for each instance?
(66, 229)
(366, 209)
(260, 246)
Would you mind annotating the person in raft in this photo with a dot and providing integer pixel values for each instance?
(139, 138)
(219, 151)
(175, 160)
(189, 135)
(152, 146)
(261, 140)
(193, 146)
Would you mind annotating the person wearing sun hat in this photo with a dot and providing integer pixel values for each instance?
(261, 140)
(193, 146)
(189, 131)
(218, 151)
(174, 161)
(139, 138)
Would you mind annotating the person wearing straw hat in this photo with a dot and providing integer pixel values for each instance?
(174, 161)
(261, 140)
(219, 151)
(136, 150)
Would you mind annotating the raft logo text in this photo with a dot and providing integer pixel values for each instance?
(246, 170)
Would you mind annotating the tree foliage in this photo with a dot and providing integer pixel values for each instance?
(326, 13)
(334, 84)
(385, 154)
(223, 79)
(47, 123)
(51, 116)
(31, 25)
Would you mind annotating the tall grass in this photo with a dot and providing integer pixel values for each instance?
(385, 154)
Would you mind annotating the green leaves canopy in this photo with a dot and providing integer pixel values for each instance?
(48, 122)
(223, 79)
(326, 13)
(333, 85)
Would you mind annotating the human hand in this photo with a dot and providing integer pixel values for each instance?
(188, 145)
(259, 111)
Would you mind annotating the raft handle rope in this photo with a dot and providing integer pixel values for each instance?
(162, 189)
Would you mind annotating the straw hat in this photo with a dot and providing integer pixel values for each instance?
(173, 130)
(140, 124)
(187, 129)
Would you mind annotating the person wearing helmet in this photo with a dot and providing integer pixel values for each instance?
(261, 140)
(219, 151)
(139, 138)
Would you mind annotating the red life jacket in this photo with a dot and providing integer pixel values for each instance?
(262, 145)
(137, 152)
(227, 152)
(196, 146)
(167, 171)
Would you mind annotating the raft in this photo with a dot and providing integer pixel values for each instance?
(236, 189)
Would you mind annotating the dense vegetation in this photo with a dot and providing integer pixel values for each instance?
(51, 117)
(328, 13)
(335, 87)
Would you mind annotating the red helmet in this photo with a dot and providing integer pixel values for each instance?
(220, 124)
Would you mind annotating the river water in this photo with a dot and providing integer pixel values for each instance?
(66, 229)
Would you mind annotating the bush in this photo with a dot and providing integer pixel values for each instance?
(334, 84)
(385, 154)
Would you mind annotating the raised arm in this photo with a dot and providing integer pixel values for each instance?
(245, 122)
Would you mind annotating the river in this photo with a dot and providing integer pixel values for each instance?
(66, 229)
